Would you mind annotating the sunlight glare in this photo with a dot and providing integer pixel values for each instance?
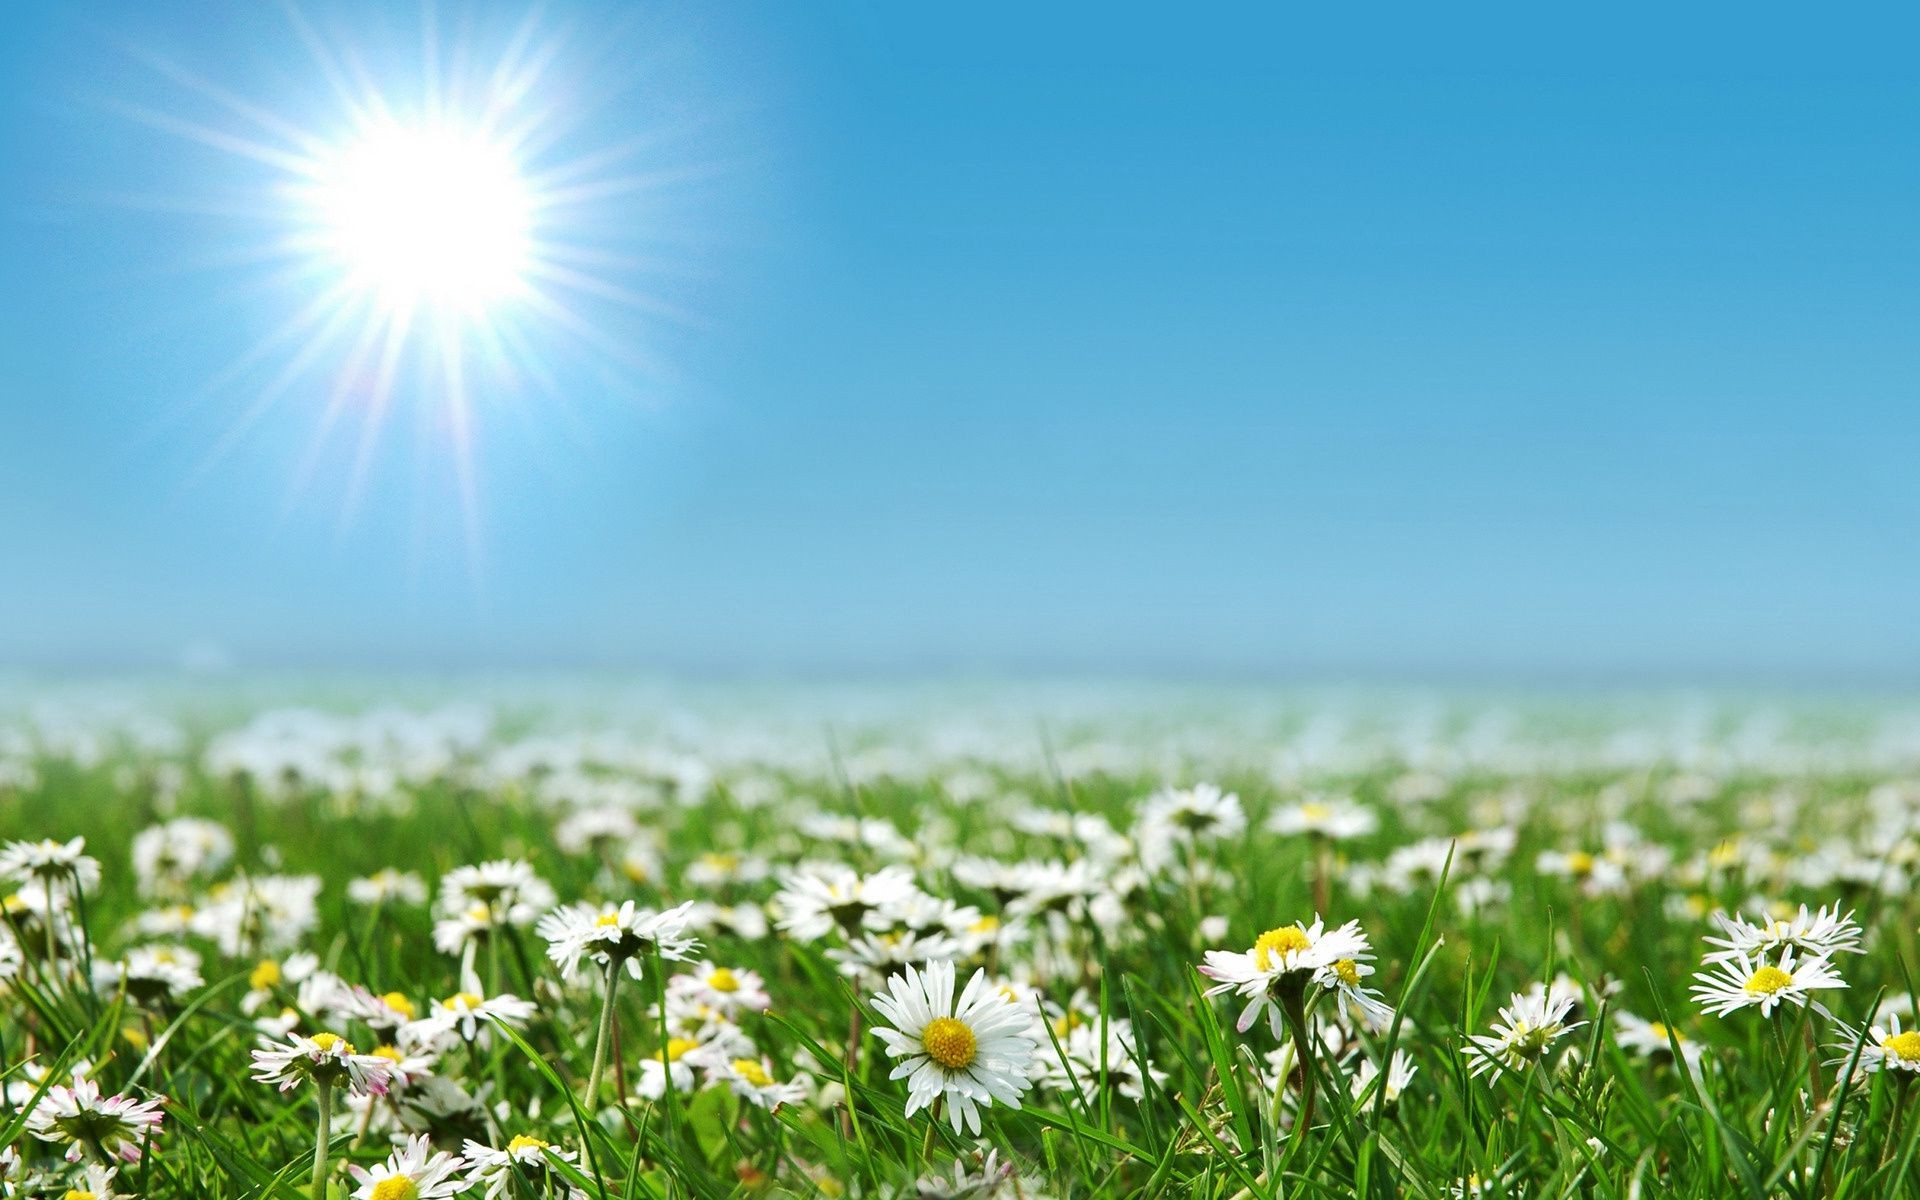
(427, 216)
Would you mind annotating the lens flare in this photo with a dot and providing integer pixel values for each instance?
(427, 216)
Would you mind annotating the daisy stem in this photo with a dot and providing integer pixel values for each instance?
(322, 1135)
(933, 1120)
(604, 1036)
(666, 1063)
(1294, 1005)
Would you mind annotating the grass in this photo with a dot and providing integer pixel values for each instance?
(1769, 1107)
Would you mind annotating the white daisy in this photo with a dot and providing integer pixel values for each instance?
(416, 1171)
(1821, 934)
(524, 1159)
(1648, 1039)
(51, 865)
(1400, 1073)
(1528, 1026)
(752, 1080)
(323, 1058)
(1888, 1048)
(1335, 817)
(1293, 956)
(465, 1015)
(79, 1116)
(624, 935)
(388, 886)
(1725, 985)
(815, 902)
(728, 991)
(970, 1053)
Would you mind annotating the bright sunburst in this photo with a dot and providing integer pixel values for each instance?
(451, 240)
(426, 215)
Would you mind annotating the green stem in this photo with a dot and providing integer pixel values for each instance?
(604, 1036)
(1295, 1007)
(321, 1137)
(666, 1065)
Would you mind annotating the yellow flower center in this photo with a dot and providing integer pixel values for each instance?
(1348, 971)
(77, 1194)
(1278, 943)
(678, 1047)
(1315, 812)
(723, 980)
(722, 862)
(986, 924)
(1903, 1046)
(752, 1072)
(607, 920)
(395, 1187)
(522, 1142)
(463, 1000)
(264, 976)
(399, 1004)
(1768, 981)
(1579, 863)
(949, 1043)
(390, 1053)
(327, 1041)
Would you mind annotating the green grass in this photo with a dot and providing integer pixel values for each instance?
(1592, 1121)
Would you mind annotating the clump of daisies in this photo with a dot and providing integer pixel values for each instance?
(1765, 964)
(965, 1053)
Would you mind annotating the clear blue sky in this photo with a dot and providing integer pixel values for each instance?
(1430, 342)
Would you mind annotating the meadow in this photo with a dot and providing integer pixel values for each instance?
(983, 944)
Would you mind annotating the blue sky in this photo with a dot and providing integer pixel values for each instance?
(1404, 344)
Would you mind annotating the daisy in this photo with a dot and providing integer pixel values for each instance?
(1888, 1048)
(1284, 960)
(1821, 934)
(416, 1171)
(1400, 1073)
(388, 886)
(1745, 982)
(152, 974)
(525, 1159)
(677, 1063)
(970, 1053)
(324, 1058)
(752, 1080)
(1648, 1039)
(1529, 1024)
(95, 1183)
(78, 1115)
(729, 991)
(813, 903)
(615, 936)
(1334, 817)
(465, 1015)
(167, 855)
(56, 866)
(1177, 820)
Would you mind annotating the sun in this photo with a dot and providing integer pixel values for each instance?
(430, 216)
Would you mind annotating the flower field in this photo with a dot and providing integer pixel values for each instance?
(981, 945)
